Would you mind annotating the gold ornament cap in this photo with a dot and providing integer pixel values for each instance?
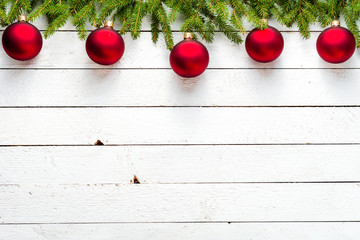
(335, 23)
(188, 35)
(22, 18)
(265, 21)
(109, 23)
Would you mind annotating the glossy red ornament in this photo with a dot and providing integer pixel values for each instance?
(105, 45)
(336, 44)
(22, 40)
(264, 45)
(189, 58)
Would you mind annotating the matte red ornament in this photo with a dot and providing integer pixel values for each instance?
(22, 40)
(189, 58)
(264, 45)
(336, 44)
(105, 45)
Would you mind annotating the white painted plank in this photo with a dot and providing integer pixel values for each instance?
(188, 231)
(179, 164)
(179, 203)
(58, 53)
(23, 126)
(255, 87)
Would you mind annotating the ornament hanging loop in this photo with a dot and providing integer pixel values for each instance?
(109, 23)
(22, 18)
(188, 35)
(265, 21)
(335, 23)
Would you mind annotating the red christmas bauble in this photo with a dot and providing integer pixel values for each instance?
(105, 45)
(189, 58)
(264, 45)
(336, 44)
(22, 41)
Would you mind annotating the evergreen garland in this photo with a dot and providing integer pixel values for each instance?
(202, 17)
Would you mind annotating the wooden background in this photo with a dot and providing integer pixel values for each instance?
(246, 151)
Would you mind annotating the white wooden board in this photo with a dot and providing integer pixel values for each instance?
(74, 126)
(243, 87)
(186, 231)
(280, 158)
(65, 50)
(179, 164)
(98, 203)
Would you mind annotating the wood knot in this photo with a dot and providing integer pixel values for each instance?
(99, 143)
(135, 180)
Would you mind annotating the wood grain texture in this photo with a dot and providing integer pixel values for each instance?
(245, 87)
(84, 192)
(298, 53)
(179, 203)
(188, 231)
(44, 126)
(179, 164)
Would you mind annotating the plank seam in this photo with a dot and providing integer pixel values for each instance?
(170, 69)
(178, 183)
(174, 31)
(191, 106)
(178, 144)
(178, 222)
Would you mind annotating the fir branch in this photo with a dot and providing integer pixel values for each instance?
(303, 25)
(15, 11)
(290, 18)
(174, 10)
(165, 25)
(210, 30)
(79, 19)
(242, 10)
(351, 24)
(56, 24)
(303, 13)
(56, 10)
(186, 8)
(277, 15)
(39, 10)
(202, 17)
(79, 16)
(199, 26)
(109, 6)
(122, 14)
(263, 11)
(261, 7)
(237, 23)
(220, 8)
(77, 4)
(153, 5)
(224, 26)
(228, 31)
(137, 17)
(190, 22)
(3, 12)
(333, 5)
(321, 12)
(125, 28)
(155, 25)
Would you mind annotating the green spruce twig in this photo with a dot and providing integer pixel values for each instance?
(201, 17)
